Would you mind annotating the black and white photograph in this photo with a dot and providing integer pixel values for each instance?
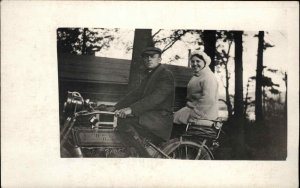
(174, 94)
(149, 94)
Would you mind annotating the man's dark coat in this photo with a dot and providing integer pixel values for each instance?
(152, 102)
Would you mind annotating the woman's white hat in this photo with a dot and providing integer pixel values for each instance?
(202, 54)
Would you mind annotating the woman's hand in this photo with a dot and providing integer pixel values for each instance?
(196, 96)
(189, 104)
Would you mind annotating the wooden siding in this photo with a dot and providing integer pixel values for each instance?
(108, 70)
(93, 69)
(106, 79)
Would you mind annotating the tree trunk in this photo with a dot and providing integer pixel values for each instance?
(246, 99)
(238, 97)
(259, 70)
(238, 132)
(142, 39)
(263, 101)
(228, 101)
(209, 39)
(84, 40)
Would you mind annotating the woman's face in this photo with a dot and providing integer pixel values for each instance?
(197, 64)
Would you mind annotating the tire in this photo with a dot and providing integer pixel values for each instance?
(185, 149)
(65, 153)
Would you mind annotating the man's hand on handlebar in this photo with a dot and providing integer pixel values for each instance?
(110, 108)
(123, 113)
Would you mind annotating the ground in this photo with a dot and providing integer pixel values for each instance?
(266, 141)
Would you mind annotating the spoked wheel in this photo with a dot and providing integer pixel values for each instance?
(185, 149)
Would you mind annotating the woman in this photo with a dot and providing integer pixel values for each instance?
(202, 92)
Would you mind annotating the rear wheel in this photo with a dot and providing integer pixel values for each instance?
(185, 149)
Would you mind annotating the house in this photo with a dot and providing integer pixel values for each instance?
(106, 79)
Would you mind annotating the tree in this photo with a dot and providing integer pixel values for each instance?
(239, 138)
(259, 69)
(209, 39)
(260, 79)
(268, 85)
(247, 98)
(142, 39)
(222, 59)
(238, 97)
(166, 39)
(83, 41)
(68, 40)
(170, 40)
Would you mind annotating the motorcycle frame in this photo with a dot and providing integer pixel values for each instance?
(70, 122)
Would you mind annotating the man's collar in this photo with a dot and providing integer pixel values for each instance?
(151, 70)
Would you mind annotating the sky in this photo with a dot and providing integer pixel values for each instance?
(274, 57)
(271, 55)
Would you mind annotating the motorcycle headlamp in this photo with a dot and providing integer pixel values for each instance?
(73, 103)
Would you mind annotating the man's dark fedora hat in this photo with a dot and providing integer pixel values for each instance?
(151, 51)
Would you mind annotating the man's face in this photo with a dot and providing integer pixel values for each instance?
(151, 60)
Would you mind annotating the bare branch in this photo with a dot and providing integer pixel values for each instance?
(169, 46)
(156, 33)
(174, 40)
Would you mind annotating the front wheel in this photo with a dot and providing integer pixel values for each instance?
(185, 149)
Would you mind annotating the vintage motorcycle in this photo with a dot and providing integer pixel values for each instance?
(89, 130)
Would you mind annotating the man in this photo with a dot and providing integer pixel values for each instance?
(148, 109)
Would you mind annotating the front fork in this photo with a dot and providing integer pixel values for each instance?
(64, 136)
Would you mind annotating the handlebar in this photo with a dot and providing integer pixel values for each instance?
(87, 113)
